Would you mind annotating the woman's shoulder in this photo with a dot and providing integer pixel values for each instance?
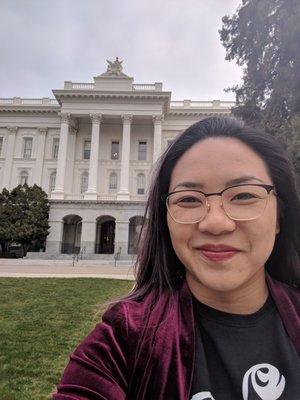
(150, 309)
(286, 297)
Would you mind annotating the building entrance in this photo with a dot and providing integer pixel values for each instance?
(71, 234)
(135, 225)
(105, 236)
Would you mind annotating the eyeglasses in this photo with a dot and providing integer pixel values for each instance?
(240, 203)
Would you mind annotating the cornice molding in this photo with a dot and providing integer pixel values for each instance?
(197, 113)
(29, 109)
(83, 203)
(110, 94)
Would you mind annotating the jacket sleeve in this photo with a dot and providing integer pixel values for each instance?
(98, 368)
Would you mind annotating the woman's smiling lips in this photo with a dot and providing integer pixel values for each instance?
(218, 252)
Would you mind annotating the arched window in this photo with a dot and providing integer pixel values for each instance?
(52, 181)
(141, 183)
(84, 182)
(113, 182)
(23, 178)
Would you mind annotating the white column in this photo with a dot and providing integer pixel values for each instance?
(121, 237)
(54, 239)
(157, 121)
(88, 237)
(91, 193)
(59, 191)
(123, 194)
(39, 159)
(10, 148)
(69, 177)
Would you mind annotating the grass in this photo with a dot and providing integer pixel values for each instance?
(41, 322)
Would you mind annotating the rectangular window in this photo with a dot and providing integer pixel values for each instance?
(142, 151)
(115, 150)
(23, 178)
(113, 182)
(141, 184)
(84, 182)
(1, 144)
(55, 145)
(86, 149)
(52, 182)
(27, 149)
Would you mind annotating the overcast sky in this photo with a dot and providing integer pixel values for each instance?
(46, 42)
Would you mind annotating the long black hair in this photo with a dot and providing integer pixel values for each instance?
(158, 267)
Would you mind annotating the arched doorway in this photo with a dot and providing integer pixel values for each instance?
(71, 234)
(135, 225)
(105, 235)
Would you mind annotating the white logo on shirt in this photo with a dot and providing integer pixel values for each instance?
(266, 381)
(202, 396)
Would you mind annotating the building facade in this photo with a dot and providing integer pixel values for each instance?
(92, 149)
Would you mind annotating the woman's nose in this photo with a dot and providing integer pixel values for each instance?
(216, 221)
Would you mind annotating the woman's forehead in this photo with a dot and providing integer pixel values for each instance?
(221, 159)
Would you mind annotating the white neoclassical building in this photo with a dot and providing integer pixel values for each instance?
(92, 148)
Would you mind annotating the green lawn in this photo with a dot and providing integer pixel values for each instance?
(41, 322)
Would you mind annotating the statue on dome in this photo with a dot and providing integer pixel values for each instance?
(114, 67)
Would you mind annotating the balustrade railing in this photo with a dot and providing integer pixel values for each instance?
(84, 86)
(6, 101)
(140, 86)
(18, 101)
(107, 197)
(201, 104)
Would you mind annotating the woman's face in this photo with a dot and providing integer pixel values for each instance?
(212, 164)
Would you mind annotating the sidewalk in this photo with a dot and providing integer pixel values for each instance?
(22, 268)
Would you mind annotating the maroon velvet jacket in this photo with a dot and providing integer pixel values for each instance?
(139, 354)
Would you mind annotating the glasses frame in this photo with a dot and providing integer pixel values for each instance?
(268, 188)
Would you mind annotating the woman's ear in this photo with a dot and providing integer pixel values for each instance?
(277, 227)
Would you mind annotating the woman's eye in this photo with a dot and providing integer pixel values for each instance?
(189, 201)
(244, 196)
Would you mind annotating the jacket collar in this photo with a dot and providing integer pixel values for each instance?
(287, 301)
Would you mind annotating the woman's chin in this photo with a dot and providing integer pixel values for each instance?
(217, 281)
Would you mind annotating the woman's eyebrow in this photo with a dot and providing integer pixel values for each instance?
(236, 181)
(243, 179)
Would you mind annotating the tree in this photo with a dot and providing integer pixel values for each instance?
(263, 36)
(6, 214)
(23, 216)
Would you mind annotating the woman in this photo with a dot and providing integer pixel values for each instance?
(215, 313)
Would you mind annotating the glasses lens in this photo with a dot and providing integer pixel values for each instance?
(245, 202)
(186, 206)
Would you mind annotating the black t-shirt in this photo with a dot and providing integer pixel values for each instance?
(244, 357)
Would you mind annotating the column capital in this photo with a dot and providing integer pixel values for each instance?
(65, 118)
(127, 118)
(157, 119)
(73, 130)
(96, 118)
(42, 130)
(12, 130)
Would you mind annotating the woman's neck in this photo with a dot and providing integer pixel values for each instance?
(246, 299)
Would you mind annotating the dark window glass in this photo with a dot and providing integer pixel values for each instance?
(114, 150)
(87, 149)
